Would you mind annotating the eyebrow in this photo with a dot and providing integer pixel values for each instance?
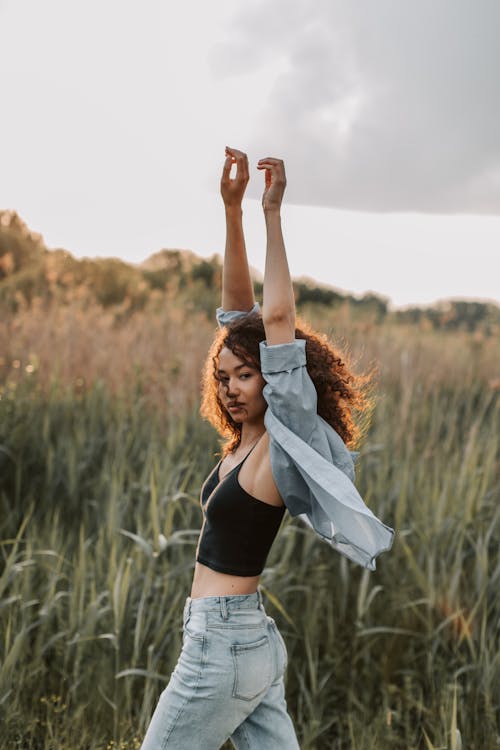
(238, 367)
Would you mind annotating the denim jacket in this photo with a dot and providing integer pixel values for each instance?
(311, 465)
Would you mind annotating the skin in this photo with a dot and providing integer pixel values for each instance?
(241, 384)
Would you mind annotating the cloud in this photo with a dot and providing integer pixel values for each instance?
(386, 106)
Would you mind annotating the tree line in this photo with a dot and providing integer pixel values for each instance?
(30, 271)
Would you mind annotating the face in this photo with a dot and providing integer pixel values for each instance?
(240, 388)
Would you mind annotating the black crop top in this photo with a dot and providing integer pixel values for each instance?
(239, 529)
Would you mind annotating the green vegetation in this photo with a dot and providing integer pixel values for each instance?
(102, 455)
(30, 274)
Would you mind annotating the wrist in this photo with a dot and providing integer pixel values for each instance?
(233, 210)
(272, 213)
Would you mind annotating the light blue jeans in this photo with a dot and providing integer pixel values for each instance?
(228, 681)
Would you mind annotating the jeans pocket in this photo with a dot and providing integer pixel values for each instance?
(252, 668)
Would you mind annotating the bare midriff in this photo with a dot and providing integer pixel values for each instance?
(208, 582)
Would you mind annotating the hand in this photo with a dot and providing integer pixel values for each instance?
(275, 183)
(232, 190)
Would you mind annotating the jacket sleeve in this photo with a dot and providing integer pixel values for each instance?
(292, 400)
(224, 317)
(289, 390)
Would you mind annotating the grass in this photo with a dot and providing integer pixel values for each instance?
(99, 517)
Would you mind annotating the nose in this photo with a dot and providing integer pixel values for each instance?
(232, 387)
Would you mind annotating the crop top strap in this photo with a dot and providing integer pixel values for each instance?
(238, 466)
(250, 451)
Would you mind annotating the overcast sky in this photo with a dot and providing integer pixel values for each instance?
(115, 114)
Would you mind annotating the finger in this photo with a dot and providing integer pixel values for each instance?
(226, 169)
(267, 177)
(270, 160)
(235, 152)
(275, 166)
(241, 162)
(242, 171)
(274, 174)
(243, 166)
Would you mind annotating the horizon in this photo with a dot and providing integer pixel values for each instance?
(118, 154)
(257, 274)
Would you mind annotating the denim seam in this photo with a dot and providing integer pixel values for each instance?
(188, 697)
(244, 735)
(222, 626)
(282, 645)
(196, 636)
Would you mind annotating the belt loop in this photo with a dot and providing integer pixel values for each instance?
(223, 607)
(259, 597)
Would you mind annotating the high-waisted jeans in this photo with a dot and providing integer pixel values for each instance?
(228, 681)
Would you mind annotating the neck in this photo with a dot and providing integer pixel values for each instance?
(250, 434)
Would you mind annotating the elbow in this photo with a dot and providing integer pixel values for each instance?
(279, 317)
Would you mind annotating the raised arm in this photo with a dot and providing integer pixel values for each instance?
(237, 286)
(278, 309)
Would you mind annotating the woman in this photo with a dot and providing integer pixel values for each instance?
(286, 429)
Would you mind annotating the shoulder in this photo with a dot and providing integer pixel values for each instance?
(256, 475)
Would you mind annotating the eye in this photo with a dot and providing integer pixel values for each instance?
(245, 375)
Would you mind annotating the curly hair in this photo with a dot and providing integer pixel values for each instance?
(343, 397)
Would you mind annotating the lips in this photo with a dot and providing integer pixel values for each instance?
(234, 406)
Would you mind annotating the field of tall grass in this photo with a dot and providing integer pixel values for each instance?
(102, 454)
